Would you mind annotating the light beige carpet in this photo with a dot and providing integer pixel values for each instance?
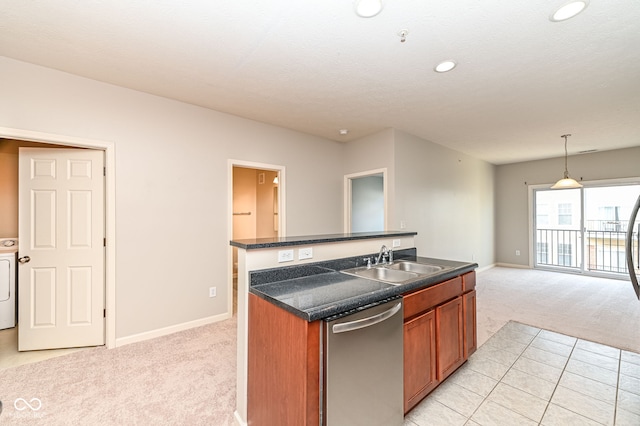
(600, 310)
(189, 378)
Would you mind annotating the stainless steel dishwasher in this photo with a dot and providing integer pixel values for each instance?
(363, 367)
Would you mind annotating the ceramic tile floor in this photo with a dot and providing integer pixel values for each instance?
(524, 375)
(10, 357)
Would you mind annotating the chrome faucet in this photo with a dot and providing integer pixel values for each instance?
(384, 251)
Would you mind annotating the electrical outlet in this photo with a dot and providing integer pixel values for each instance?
(403, 224)
(285, 255)
(212, 292)
(396, 243)
(305, 253)
(517, 252)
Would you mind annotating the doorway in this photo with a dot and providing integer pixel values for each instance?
(29, 138)
(584, 229)
(256, 200)
(365, 201)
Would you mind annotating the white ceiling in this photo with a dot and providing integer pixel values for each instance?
(315, 66)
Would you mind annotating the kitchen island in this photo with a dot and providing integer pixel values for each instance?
(265, 253)
(286, 307)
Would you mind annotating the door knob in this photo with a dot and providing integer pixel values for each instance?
(24, 259)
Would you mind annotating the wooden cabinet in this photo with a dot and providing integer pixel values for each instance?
(449, 337)
(419, 350)
(283, 367)
(439, 334)
(284, 358)
(470, 328)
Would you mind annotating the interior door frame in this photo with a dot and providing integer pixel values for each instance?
(282, 231)
(347, 195)
(109, 210)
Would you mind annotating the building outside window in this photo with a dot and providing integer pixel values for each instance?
(564, 214)
(542, 253)
(564, 254)
(542, 215)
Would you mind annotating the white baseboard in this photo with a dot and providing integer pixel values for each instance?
(484, 268)
(170, 330)
(239, 420)
(513, 265)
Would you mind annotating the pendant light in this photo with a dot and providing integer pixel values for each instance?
(566, 182)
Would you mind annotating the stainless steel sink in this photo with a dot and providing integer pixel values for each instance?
(419, 268)
(397, 273)
(380, 273)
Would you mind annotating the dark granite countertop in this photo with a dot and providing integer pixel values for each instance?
(318, 291)
(261, 243)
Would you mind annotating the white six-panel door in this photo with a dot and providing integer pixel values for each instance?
(61, 252)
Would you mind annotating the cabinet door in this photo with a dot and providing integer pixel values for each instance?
(470, 334)
(449, 337)
(419, 358)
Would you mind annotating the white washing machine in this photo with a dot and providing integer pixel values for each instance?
(8, 279)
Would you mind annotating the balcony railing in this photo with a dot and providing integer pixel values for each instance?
(604, 249)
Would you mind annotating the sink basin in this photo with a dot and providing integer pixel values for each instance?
(419, 268)
(393, 276)
(397, 273)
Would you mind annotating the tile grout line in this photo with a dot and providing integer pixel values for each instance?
(615, 405)
(574, 347)
(500, 381)
(558, 381)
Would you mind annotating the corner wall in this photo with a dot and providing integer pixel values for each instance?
(447, 197)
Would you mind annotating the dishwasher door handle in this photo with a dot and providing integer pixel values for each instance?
(366, 322)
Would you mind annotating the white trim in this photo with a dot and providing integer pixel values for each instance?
(486, 268)
(109, 210)
(347, 196)
(159, 332)
(513, 265)
(532, 223)
(238, 419)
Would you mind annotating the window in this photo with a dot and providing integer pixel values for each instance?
(542, 215)
(564, 254)
(542, 252)
(564, 214)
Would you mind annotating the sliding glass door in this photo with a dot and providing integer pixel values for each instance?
(584, 229)
(558, 219)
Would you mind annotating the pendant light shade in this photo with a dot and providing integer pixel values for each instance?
(566, 182)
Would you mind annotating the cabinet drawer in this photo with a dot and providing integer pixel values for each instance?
(425, 299)
(469, 281)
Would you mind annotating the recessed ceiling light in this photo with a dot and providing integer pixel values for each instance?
(344, 131)
(368, 8)
(569, 10)
(445, 66)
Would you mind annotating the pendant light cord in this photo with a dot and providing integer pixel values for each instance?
(566, 154)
